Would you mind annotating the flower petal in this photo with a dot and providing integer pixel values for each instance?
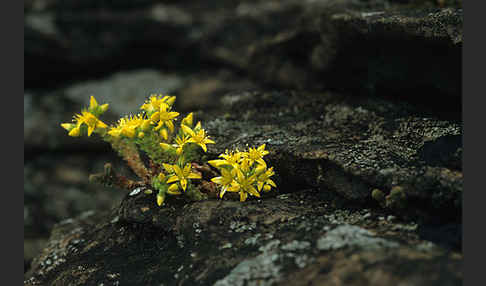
(217, 180)
(203, 146)
(178, 171)
(183, 184)
(168, 167)
(272, 183)
(92, 102)
(243, 196)
(172, 179)
(253, 191)
(188, 130)
(194, 175)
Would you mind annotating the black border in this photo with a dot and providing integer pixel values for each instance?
(474, 63)
(12, 188)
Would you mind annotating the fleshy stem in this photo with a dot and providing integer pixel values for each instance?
(129, 152)
(110, 178)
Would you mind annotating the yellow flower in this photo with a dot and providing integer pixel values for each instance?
(256, 154)
(92, 102)
(229, 158)
(181, 175)
(164, 117)
(123, 128)
(174, 190)
(145, 125)
(90, 120)
(180, 142)
(162, 177)
(224, 180)
(163, 132)
(95, 108)
(188, 119)
(170, 100)
(68, 126)
(127, 126)
(160, 199)
(75, 132)
(244, 185)
(153, 103)
(169, 168)
(166, 147)
(136, 120)
(264, 180)
(199, 138)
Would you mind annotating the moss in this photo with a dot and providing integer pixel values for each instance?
(378, 195)
(397, 199)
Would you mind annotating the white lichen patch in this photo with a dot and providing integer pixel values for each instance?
(261, 270)
(352, 236)
(296, 245)
(238, 226)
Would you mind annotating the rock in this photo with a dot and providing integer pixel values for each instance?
(91, 41)
(408, 54)
(346, 147)
(183, 244)
(371, 47)
(352, 236)
(57, 188)
(125, 91)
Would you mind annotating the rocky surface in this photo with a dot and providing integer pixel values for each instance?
(291, 239)
(290, 44)
(349, 146)
(358, 102)
(341, 147)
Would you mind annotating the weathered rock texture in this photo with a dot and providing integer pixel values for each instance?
(342, 147)
(367, 144)
(292, 239)
(349, 146)
(359, 46)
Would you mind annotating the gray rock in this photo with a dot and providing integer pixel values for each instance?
(291, 44)
(352, 236)
(260, 270)
(344, 145)
(125, 91)
(284, 253)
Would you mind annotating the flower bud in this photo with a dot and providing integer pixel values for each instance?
(160, 199)
(164, 134)
(188, 119)
(174, 190)
(104, 108)
(145, 125)
(161, 177)
(171, 100)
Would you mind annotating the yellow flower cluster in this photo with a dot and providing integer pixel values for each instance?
(244, 172)
(196, 135)
(179, 174)
(130, 127)
(172, 151)
(157, 112)
(87, 120)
